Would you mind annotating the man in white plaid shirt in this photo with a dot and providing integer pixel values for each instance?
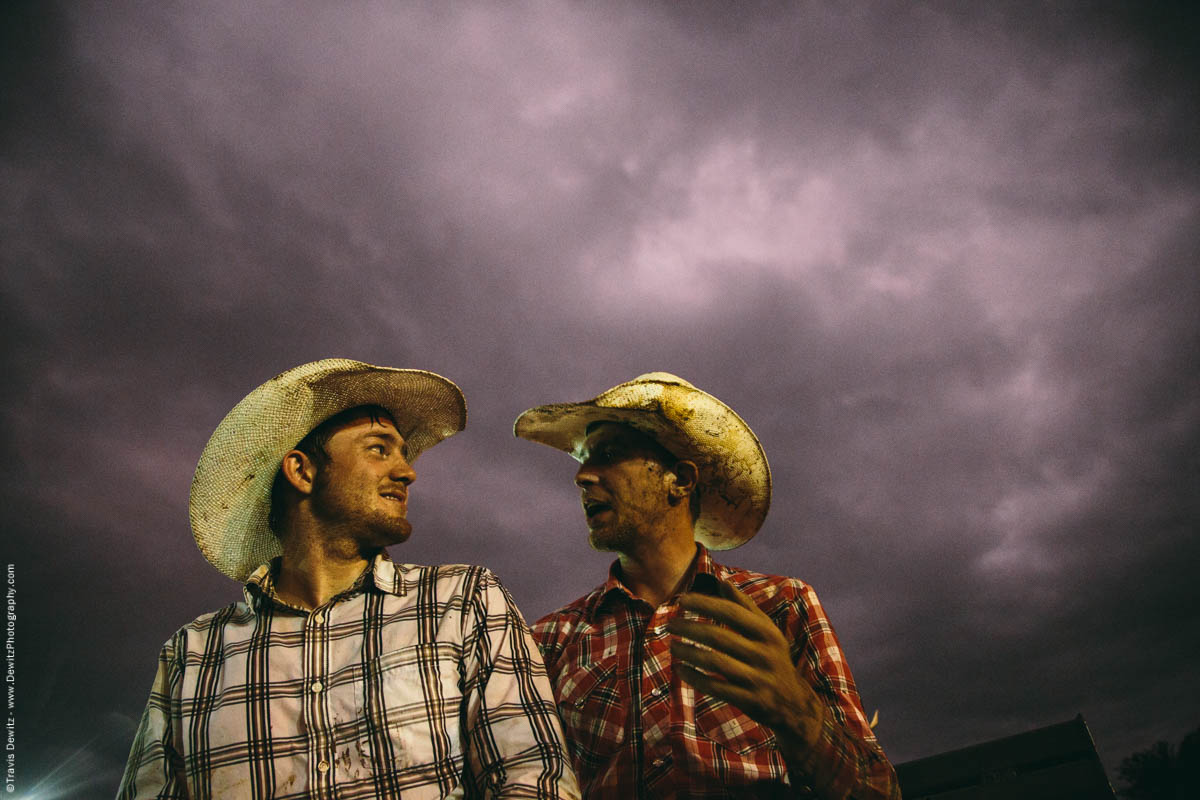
(343, 674)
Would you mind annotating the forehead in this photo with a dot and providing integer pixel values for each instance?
(363, 422)
(600, 434)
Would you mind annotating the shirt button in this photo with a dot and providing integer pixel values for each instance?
(323, 767)
(656, 763)
(318, 618)
(317, 687)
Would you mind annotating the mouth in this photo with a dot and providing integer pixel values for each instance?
(593, 508)
(395, 497)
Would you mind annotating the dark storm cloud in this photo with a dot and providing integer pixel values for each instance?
(943, 263)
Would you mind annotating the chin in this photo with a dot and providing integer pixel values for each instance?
(607, 540)
(598, 544)
(392, 532)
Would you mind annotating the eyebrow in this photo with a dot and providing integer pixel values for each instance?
(388, 436)
(601, 446)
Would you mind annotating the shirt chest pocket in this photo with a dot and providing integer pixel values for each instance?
(728, 727)
(414, 703)
(593, 705)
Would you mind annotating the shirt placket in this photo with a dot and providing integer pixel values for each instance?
(634, 625)
(655, 699)
(316, 705)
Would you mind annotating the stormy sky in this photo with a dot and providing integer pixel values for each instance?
(943, 261)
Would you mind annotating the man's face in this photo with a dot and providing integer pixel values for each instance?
(623, 486)
(363, 488)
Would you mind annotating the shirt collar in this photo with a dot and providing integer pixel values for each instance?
(381, 573)
(702, 576)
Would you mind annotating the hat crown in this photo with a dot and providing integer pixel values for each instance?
(661, 377)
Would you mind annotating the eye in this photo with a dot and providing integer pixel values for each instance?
(608, 454)
(378, 448)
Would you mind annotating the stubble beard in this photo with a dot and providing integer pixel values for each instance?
(619, 537)
(371, 527)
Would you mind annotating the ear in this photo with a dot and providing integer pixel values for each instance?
(299, 470)
(686, 476)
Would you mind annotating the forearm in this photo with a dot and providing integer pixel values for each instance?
(838, 765)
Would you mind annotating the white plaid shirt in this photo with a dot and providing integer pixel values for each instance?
(417, 682)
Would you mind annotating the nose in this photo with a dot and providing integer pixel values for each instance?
(402, 471)
(586, 476)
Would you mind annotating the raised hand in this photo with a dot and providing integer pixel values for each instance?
(746, 663)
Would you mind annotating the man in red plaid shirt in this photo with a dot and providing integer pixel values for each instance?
(679, 677)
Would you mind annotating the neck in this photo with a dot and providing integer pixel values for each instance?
(654, 573)
(316, 567)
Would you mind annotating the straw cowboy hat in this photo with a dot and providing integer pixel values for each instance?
(231, 491)
(735, 479)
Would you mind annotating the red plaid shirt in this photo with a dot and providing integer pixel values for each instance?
(636, 730)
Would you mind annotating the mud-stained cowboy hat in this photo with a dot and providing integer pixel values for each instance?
(735, 479)
(231, 491)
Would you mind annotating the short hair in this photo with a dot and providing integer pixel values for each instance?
(313, 446)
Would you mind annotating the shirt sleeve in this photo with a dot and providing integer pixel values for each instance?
(551, 632)
(847, 746)
(155, 766)
(544, 631)
(514, 737)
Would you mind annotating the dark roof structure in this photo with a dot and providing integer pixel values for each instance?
(1057, 762)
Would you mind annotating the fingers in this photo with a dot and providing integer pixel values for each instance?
(718, 638)
(731, 592)
(750, 622)
(728, 667)
(715, 686)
